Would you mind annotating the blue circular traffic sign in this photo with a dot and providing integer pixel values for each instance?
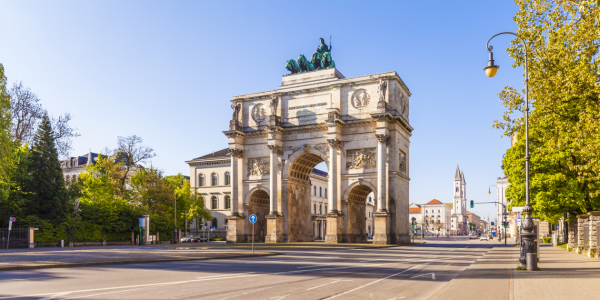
(253, 218)
(492, 223)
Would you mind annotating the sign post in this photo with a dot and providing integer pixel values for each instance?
(253, 219)
(10, 220)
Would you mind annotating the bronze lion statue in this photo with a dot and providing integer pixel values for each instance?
(326, 61)
(304, 64)
(292, 66)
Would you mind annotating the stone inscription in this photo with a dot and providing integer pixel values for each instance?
(307, 106)
(258, 166)
(361, 159)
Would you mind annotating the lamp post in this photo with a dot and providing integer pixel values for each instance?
(528, 235)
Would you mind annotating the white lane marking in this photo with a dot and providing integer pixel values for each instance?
(322, 285)
(21, 279)
(279, 297)
(313, 266)
(397, 298)
(86, 296)
(448, 265)
(370, 283)
(432, 275)
(244, 293)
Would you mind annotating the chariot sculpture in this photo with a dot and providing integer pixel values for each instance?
(321, 59)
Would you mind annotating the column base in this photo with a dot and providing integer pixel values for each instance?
(382, 234)
(274, 229)
(334, 229)
(235, 229)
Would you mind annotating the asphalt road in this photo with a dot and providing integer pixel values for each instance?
(405, 272)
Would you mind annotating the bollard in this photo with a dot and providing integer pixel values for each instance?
(531, 261)
(62, 243)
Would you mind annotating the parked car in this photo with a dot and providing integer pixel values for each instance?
(200, 239)
(187, 239)
(484, 237)
(473, 236)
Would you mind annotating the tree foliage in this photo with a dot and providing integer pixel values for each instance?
(562, 40)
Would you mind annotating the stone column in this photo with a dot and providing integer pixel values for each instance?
(571, 239)
(381, 217)
(274, 232)
(594, 217)
(273, 178)
(381, 171)
(334, 218)
(332, 182)
(581, 220)
(235, 153)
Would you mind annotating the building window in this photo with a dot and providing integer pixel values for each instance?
(214, 179)
(438, 211)
(315, 207)
(426, 211)
(201, 180)
(227, 178)
(213, 202)
(325, 208)
(227, 202)
(325, 193)
(315, 190)
(320, 192)
(320, 209)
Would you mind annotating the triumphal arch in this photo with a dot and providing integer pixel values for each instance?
(358, 126)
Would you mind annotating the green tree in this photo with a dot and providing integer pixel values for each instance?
(48, 194)
(562, 39)
(5, 118)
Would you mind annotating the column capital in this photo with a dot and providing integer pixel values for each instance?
(275, 148)
(239, 153)
(334, 143)
(383, 138)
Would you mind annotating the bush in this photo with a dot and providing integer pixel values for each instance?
(547, 240)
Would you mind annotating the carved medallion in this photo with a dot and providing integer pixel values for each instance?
(360, 98)
(258, 166)
(259, 113)
(361, 159)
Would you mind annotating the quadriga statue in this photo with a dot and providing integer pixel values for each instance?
(316, 61)
(304, 64)
(292, 66)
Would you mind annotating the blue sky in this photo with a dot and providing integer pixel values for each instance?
(166, 70)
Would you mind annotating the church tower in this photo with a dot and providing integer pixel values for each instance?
(459, 205)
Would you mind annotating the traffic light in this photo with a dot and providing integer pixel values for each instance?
(472, 204)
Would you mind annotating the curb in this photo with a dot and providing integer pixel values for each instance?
(129, 262)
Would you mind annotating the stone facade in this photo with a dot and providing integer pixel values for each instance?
(358, 126)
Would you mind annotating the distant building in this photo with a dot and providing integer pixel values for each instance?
(73, 166)
(475, 220)
(415, 215)
(501, 185)
(436, 217)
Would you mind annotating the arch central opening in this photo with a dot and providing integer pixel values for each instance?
(307, 196)
(259, 205)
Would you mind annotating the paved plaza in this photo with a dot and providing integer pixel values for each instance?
(441, 268)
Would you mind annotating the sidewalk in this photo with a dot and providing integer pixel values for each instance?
(563, 275)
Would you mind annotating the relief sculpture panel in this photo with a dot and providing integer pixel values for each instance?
(258, 166)
(361, 159)
(402, 162)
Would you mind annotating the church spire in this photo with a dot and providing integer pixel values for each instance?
(462, 176)
(457, 174)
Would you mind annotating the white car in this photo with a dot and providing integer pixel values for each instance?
(483, 237)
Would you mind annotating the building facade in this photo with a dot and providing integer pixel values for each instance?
(72, 167)
(476, 221)
(436, 217)
(501, 185)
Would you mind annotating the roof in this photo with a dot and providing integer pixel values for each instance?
(217, 154)
(434, 201)
(414, 210)
(319, 172)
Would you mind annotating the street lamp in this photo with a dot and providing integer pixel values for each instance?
(528, 235)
